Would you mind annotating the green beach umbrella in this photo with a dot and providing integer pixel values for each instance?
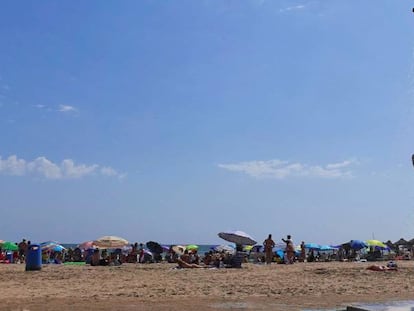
(9, 246)
(192, 247)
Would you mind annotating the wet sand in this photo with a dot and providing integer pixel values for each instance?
(160, 287)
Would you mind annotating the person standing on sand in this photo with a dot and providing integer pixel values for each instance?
(22, 250)
(290, 250)
(268, 246)
(302, 252)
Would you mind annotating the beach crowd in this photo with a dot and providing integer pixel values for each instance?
(189, 257)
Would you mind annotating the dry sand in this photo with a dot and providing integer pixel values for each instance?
(160, 287)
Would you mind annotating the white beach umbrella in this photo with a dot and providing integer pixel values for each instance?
(110, 241)
(225, 248)
(237, 237)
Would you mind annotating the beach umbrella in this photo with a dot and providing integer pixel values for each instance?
(155, 247)
(401, 242)
(110, 241)
(48, 245)
(179, 249)
(58, 248)
(165, 248)
(224, 248)
(191, 247)
(312, 246)
(237, 237)
(280, 253)
(358, 244)
(327, 248)
(51, 245)
(9, 246)
(86, 245)
(376, 243)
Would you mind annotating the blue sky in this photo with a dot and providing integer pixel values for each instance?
(175, 120)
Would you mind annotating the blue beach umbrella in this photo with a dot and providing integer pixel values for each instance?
(326, 248)
(58, 248)
(280, 253)
(358, 244)
(312, 246)
(49, 245)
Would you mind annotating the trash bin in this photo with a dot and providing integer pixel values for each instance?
(88, 257)
(9, 256)
(34, 257)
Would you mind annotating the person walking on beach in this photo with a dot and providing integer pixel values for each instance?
(268, 246)
(302, 252)
(22, 250)
(290, 250)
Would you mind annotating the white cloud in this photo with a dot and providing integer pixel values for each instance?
(71, 170)
(108, 171)
(278, 169)
(292, 8)
(66, 108)
(13, 166)
(39, 106)
(42, 167)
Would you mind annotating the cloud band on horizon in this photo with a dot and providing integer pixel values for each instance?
(45, 168)
(278, 169)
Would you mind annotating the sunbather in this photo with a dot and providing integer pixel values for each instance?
(381, 268)
(183, 264)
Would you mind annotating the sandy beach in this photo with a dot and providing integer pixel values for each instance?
(161, 287)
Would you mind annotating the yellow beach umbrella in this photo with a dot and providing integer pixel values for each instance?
(376, 243)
